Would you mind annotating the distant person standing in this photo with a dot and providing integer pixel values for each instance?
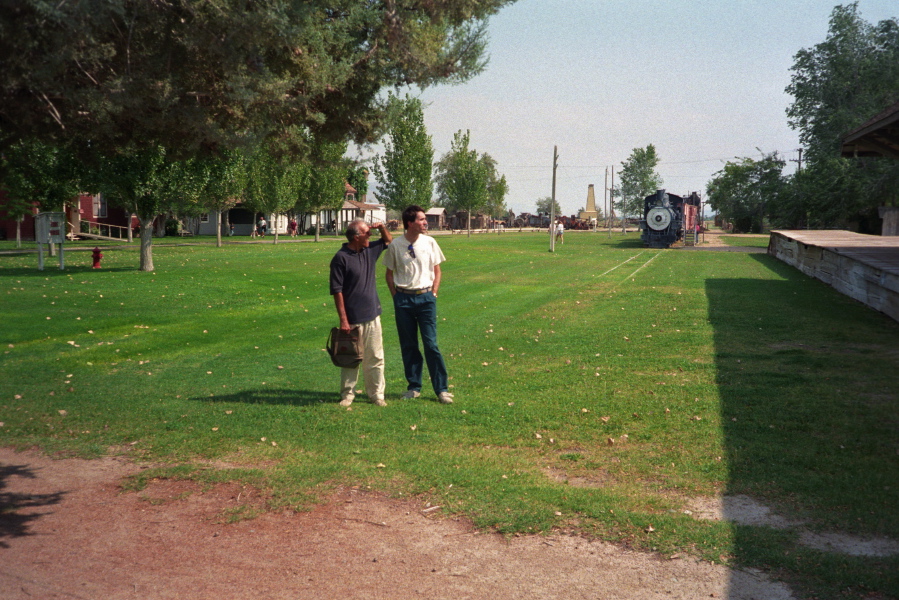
(560, 232)
(355, 294)
(261, 227)
(413, 276)
(292, 227)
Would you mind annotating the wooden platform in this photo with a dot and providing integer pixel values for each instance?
(864, 267)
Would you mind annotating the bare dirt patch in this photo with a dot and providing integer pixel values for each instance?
(68, 531)
(748, 511)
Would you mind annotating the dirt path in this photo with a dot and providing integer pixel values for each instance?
(67, 531)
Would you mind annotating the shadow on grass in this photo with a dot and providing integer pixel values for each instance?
(627, 243)
(803, 377)
(291, 397)
(12, 523)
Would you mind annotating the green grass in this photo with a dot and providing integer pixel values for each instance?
(756, 241)
(726, 372)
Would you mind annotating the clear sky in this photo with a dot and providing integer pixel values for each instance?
(702, 80)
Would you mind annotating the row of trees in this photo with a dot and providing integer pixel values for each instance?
(836, 85)
(142, 93)
(149, 182)
(465, 181)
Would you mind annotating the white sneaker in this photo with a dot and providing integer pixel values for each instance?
(445, 398)
(379, 402)
(410, 394)
(346, 401)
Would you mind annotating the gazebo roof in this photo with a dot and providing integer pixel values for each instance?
(879, 136)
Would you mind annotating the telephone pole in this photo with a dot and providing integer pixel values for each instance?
(798, 161)
(611, 201)
(552, 206)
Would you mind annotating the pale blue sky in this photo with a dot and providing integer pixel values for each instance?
(702, 80)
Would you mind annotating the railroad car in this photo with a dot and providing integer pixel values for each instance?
(663, 218)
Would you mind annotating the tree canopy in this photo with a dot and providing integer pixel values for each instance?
(837, 85)
(463, 177)
(404, 171)
(638, 179)
(742, 191)
(196, 76)
(545, 205)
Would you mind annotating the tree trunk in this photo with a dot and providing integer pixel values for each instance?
(146, 242)
(218, 229)
(18, 233)
(469, 223)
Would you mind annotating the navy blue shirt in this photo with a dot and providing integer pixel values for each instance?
(353, 275)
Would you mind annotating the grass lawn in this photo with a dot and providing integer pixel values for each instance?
(599, 389)
(754, 241)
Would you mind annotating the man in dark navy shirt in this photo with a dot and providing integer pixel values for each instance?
(356, 299)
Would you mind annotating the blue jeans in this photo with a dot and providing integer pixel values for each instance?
(416, 313)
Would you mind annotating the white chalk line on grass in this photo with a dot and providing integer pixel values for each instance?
(641, 267)
(621, 264)
(644, 265)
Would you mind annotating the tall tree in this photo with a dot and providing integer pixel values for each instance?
(327, 176)
(462, 177)
(357, 176)
(497, 189)
(638, 179)
(403, 173)
(226, 185)
(134, 179)
(837, 85)
(744, 191)
(195, 75)
(545, 206)
(273, 185)
(37, 174)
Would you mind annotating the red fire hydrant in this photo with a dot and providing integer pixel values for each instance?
(97, 256)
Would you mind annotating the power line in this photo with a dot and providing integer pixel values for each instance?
(680, 162)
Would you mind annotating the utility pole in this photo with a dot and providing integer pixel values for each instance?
(801, 195)
(611, 200)
(605, 196)
(798, 161)
(552, 206)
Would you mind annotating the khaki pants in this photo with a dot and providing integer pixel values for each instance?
(372, 364)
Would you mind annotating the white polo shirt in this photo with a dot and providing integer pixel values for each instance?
(413, 272)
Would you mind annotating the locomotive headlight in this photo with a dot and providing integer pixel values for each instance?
(658, 218)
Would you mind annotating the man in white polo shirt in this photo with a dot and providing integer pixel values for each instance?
(413, 276)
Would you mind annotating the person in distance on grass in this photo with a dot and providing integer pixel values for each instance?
(413, 276)
(356, 299)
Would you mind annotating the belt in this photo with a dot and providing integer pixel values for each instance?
(413, 292)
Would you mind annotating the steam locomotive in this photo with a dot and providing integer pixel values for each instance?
(665, 216)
